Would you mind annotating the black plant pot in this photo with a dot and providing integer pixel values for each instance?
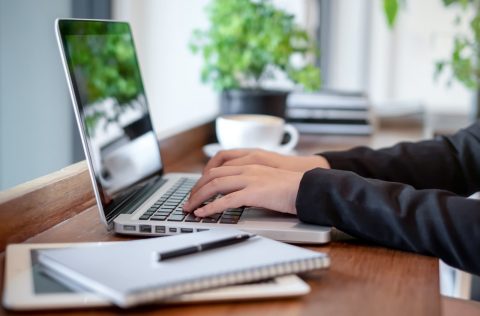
(267, 102)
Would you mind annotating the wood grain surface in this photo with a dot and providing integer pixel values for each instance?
(364, 279)
(37, 205)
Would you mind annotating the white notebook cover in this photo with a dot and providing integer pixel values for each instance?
(128, 273)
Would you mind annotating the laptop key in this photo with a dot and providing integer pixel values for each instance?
(158, 218)
(144, 217)
(234, 211)
(176, 218)
(209, 220)
(229, 220)
(233, 217)
(163, 212)
(192, 218)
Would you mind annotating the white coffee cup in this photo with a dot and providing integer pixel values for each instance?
(255, 131)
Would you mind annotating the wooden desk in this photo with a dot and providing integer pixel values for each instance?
(363, 279)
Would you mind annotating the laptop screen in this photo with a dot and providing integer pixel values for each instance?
(113, 115)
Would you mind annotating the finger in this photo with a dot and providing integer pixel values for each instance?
(242, 161)
(222, 185)
(223, 156)
(215, 173)
(232, 200)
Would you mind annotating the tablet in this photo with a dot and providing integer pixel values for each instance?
(27, 288)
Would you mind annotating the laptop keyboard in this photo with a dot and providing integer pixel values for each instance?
(170, 207)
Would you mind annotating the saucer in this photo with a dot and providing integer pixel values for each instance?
(211, 150)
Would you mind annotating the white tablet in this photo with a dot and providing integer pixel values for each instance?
(27, 288)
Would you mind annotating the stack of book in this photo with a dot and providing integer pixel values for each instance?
(330, 113)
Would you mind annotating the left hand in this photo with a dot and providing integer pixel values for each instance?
(250, 185)
(241, 157)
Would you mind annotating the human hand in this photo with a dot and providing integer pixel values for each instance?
(251, 185)
(242, 157)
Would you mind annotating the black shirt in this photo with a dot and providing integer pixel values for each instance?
(412, 196)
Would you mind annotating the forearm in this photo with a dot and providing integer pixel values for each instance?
(448, 163)
(431, 222)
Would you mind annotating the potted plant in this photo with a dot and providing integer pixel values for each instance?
(248, 42)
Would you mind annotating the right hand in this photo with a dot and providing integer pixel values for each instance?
(252, 185)
(242, 157)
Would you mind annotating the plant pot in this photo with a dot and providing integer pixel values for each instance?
(269, 102)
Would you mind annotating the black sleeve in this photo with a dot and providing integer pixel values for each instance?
(433, 222)
(448, 163)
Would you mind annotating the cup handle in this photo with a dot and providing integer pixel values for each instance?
(294, 136)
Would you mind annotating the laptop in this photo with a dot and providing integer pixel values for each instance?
(133, 194)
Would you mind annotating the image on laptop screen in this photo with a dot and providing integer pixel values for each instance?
(112, 105)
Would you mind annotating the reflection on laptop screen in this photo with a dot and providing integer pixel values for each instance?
(113, 109)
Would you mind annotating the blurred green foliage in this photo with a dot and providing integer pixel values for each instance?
(464, 62)
(108, 67)
(246, 39)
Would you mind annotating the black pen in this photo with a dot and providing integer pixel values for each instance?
(202, 247)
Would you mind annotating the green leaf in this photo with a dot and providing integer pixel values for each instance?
(246, 38)
(390, 8)
(439, 67)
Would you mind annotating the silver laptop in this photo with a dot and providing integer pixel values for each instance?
(134, 195)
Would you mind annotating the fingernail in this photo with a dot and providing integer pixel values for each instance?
(199, 212)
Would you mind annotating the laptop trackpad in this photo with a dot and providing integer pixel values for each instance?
(259, 214)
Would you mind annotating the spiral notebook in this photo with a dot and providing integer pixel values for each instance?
(129, 273)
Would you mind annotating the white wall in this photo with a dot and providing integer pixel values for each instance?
(403, 60)
(395, 66)
(348, 48)
(171, 73)
(426, 35)
(35, 110)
